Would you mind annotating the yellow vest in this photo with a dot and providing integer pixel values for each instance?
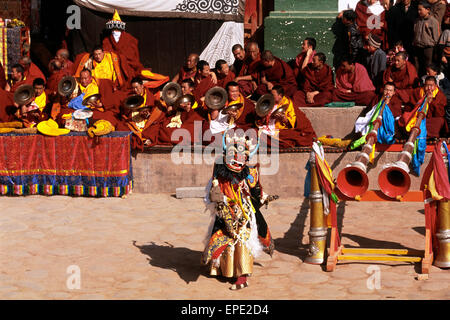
(41, 101)
(104, 69)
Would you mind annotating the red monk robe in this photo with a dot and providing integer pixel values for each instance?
(245, 119)
(362, 90)
(32, 73)
(163, 135)
(202, 85)
(249, 68)
(369, 23)
(17, 84)
(128, 51)
(315, 80)
(186, 73)
(405, 81)
(299, 60)
(51, 87)
(132, 121)
(2, 77)
(436, 111)
(223, 80)
(297, 132)
(279, 74)
(7, 108)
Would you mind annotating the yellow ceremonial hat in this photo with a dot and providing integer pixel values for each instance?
(115, 22)
(50, 128)
(116, 16)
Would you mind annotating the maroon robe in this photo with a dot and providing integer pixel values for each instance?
(162, 135)
(358, 82)
(315, 80)
(249, 68)
(363, 17)
(185, 73)
(2, 77)
(51, 87)
(436, 112)
(223, 80)
(7, 108)
(405, 81)
(202, 86)
(32, 73)
(128, 51)
(279, 74)
(302, 135)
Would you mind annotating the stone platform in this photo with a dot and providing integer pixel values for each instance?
(156, 170)
(285, 175)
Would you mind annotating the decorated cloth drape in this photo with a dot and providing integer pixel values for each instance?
(193, 9)
(72, 164)
(420, 144)
(386, 131)
(327, 185)
(435, 186)
(9, 47)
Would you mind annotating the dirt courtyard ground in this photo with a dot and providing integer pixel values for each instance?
(148, 246)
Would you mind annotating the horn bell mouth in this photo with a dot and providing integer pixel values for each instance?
(394, 182)
(352, 181)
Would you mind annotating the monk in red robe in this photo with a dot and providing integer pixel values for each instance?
(62, 55)
(189, 70)
(124, 45)
(223, 73)
(238, 112)
(404, 75)
(285, 123)
(304, 58)
(103, 65)
(17, 78)
(274, 71)
(204, 80)
(248, 74)
(437, 101)
(239, 58)
(2, 77)
(140, 118)
(187, 116)
(353, 84)
(7, 107)
(56, 74)
(371, 22)
(31, 71)
(317, 88)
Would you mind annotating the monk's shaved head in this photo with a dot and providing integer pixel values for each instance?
(25, 60)
(192, 60)
(64, 53)
(252, 50)
(267, 55)
(402, 55)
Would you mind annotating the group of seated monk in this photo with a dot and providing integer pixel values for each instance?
(107, 77)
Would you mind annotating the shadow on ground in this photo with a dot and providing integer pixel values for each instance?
(292, 243)
(184, 261)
